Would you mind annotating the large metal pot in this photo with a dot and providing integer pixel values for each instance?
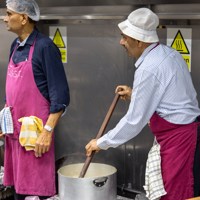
(99, 182)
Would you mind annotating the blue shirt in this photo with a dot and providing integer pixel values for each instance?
(162, 84)
(48, 69)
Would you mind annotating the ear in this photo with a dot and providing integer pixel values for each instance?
(24, 19)
(139, 43)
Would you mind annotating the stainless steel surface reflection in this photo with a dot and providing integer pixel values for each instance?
(122, 198)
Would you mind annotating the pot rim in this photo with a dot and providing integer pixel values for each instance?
(112, 170)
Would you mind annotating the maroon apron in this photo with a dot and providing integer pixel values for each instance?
(178, 144)
(28, 174)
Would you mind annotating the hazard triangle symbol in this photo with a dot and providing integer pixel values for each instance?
(58, 40)
(179, 44)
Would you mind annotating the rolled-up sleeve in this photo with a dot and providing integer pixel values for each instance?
(146, 95)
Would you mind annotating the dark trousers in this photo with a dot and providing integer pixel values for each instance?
(196, 167)
(22, 197)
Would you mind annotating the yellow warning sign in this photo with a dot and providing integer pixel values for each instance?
(188, 61)
(179, 44)
(63, 55)
(58, 40)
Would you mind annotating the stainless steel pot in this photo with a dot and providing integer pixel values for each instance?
(99, 182)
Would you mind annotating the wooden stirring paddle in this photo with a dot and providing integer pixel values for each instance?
(100, 133)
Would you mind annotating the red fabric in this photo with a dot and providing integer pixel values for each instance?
(28, 174)
(178, 143)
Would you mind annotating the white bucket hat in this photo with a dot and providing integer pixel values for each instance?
(141, 25)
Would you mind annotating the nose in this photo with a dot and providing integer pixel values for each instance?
(5, 19)
(122, 41)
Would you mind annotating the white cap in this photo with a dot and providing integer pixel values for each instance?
(141, 25)
(28, 7)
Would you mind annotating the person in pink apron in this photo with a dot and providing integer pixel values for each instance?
(36, 85)
(164, 97)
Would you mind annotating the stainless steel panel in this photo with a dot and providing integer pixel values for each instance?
(116, 12)
(96, 65)
(6, 39)
(86, 12)
(177, 11)
(90, 2)
(109, 2)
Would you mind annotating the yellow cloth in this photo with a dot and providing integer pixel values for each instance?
(30, 130)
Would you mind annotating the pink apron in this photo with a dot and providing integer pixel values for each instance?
(28, 174)
(178, 143)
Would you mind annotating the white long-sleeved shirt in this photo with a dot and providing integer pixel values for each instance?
(162, 84)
